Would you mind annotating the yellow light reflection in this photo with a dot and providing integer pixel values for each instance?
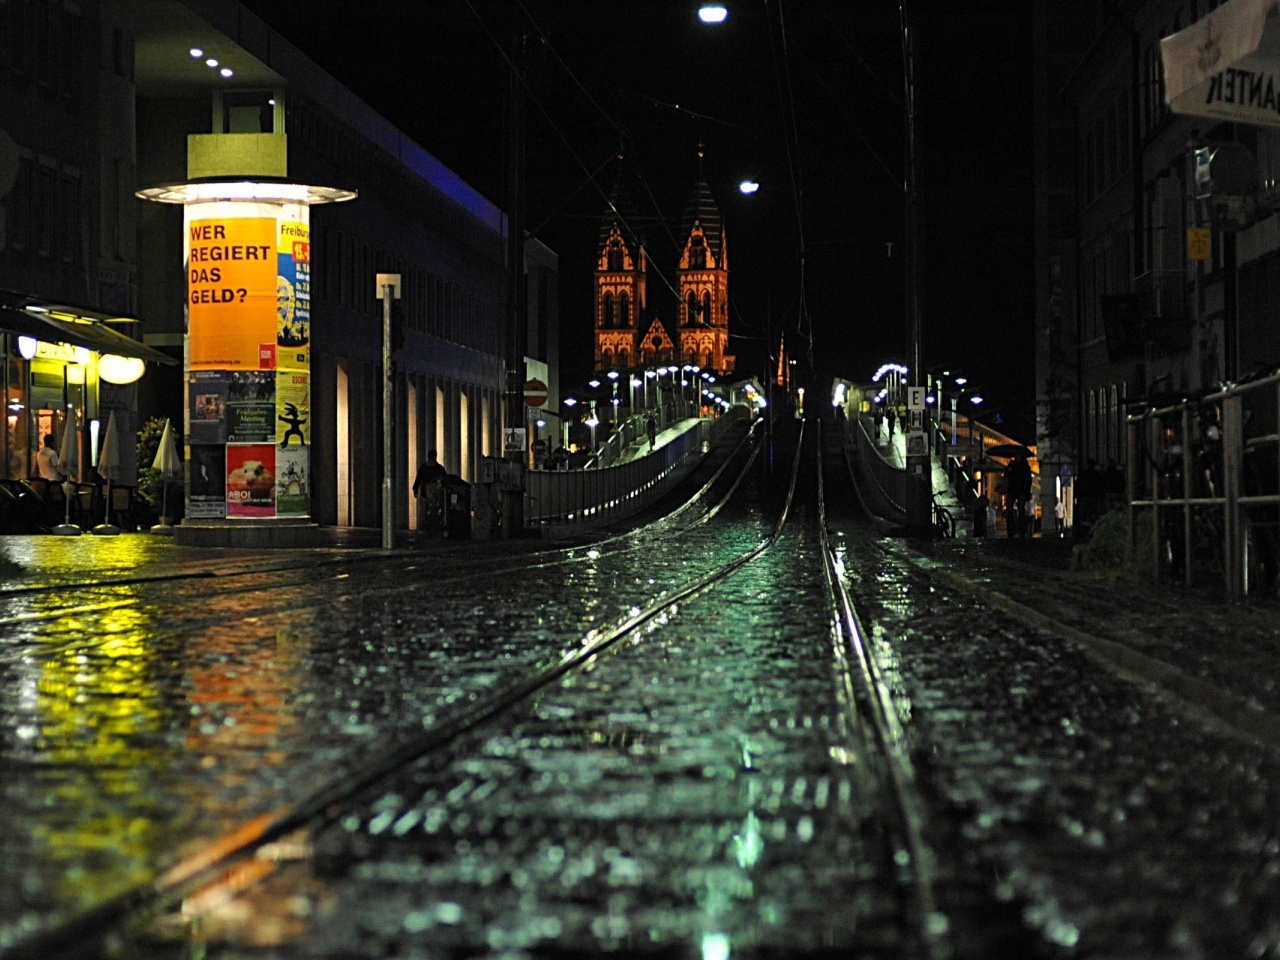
(99, 714)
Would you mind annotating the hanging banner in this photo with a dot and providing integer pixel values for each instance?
(1226, 65)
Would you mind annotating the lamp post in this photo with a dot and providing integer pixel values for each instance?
(919, 475)
(569, 402)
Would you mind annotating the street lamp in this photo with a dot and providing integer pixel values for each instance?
(569, 402)
(613, 377)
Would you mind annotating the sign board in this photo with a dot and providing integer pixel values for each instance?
(513, 440)
(534, 413)
(535, 393)
(1224, 66)
(915, 398)
(1199, 243)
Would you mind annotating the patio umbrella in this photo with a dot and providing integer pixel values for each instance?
(1008, 450)
(109, 469)
(69, 466)
(168, 464)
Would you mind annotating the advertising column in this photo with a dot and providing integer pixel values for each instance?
(248, 360)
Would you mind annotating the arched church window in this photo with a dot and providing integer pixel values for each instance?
(706, 308)
(624, 310)
(615, 256)
(691, 308)
(698, 254)
(608, 310)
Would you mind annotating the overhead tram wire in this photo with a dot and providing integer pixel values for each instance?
(531, 94)
(791, 144)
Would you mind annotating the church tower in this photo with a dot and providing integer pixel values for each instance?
(703, 277)
(621, 268)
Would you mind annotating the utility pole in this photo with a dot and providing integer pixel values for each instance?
(387, 288)
(512, 471)
(919, 468)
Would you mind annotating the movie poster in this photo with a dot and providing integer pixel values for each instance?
(251, 406)
(251, 480)
(206, 482)
(207, 407)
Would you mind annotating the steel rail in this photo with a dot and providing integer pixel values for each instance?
(865, 685)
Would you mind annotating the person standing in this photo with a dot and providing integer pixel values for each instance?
(427, 486)
(651, 428)
(1060, 517)
(892, 419)
(47, 460)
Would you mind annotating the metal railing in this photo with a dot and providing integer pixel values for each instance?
(1206, 471)
(562, 502)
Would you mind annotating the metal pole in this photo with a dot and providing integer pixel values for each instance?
(388, 533)
(919, 474)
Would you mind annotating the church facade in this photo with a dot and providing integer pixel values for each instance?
(628, 334)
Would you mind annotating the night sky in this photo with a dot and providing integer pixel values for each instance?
(805, 97)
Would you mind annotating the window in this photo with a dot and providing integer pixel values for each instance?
(45, 208)
(21, 203)
(624, 310)
(68, 219)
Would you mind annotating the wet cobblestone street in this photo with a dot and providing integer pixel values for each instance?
(702, 788)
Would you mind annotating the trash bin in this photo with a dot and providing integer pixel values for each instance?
(457, 508)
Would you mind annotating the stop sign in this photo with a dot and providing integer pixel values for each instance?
(535, 393)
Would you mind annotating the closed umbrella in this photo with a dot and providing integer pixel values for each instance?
(109, 469)
(168, 464)
(69, 466)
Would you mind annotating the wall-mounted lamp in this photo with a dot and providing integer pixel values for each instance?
(27, 347)
(116, 369)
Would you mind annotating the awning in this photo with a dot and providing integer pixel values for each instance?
(52, 322)
(1226, 65)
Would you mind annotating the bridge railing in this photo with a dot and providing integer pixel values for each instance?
(563, 502)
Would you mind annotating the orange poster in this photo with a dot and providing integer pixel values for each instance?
(231, 292)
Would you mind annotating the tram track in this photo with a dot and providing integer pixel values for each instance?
(250, 854)
(69, 937)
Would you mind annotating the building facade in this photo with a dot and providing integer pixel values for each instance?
(1128, 308)
(124, 120)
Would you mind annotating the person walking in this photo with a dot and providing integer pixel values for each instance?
(892, 419)
(1060, 517)
(878, 419)
(651, 428)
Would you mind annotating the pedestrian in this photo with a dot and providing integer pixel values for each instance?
(980, 515)
(1060, 517)
(892, 419)
(47, 460)
(878, 419)
(1018, 494)
(427, 486)
(651, 428)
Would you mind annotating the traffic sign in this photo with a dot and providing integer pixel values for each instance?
(513, 440)
(535, 393)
